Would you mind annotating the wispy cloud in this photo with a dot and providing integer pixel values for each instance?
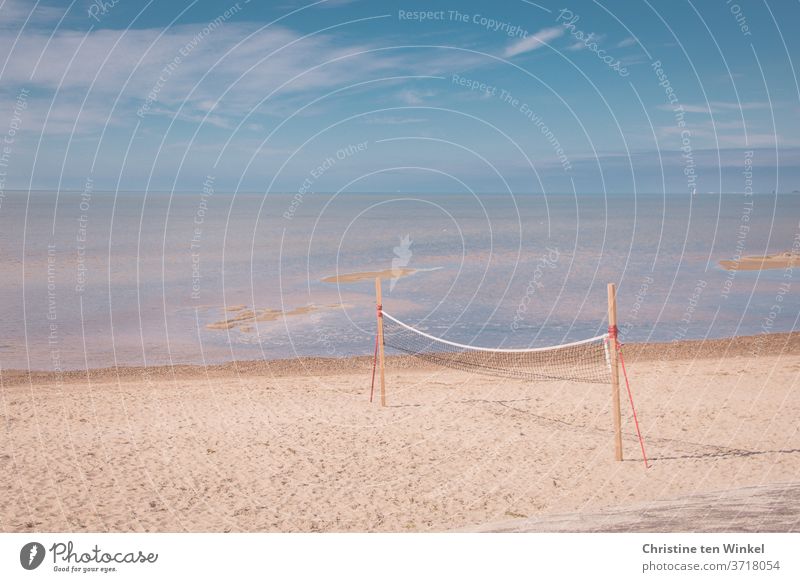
(15, 13)
(391, 120)
(688, 108)
(727, 135)
(415, 97)
(718, 106)
(634, 59)
(534, 41)
(736, 106)
(626, 42)
(226, 73)
(595, 38)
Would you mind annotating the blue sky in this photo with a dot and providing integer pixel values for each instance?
(483, 96)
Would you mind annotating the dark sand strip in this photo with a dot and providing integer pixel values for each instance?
(767, 508)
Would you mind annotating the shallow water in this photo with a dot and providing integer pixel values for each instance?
(135, 278)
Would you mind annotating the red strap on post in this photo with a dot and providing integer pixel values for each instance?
(374, 364)
(613, 333)
(630, 397)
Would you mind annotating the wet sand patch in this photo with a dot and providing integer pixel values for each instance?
(370, 275)
(760, 263)
(245, 318)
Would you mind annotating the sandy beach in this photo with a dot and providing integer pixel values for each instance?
(295, 445)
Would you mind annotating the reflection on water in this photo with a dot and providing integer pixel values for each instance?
(133, 279)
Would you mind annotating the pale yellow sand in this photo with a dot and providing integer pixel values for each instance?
(295, 446)
(758, 263)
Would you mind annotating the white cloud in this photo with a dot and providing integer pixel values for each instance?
(630, 41)
(534, 41)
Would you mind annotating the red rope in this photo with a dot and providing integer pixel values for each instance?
(374, 364)
(375, 356)
(633, 408)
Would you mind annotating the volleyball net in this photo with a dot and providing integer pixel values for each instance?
(581, 361)
(594, 360)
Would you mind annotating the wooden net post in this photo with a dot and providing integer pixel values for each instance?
(379, 304)
(614, 359)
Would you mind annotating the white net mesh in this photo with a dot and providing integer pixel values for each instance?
(583, 361)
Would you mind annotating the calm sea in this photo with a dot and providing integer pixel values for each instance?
(94, 279)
